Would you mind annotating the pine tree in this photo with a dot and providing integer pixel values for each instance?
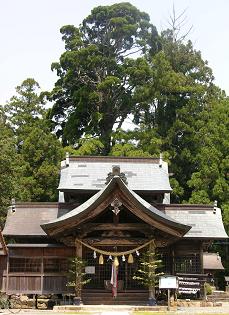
(76, 275)
(149, 271)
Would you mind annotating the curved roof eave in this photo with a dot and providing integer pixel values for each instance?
(99, 196)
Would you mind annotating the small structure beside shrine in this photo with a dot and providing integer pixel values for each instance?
(110, 210)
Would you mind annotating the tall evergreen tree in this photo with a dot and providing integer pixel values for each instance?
(97, 75)
(38, 151)
(210, 180)
(7, 166)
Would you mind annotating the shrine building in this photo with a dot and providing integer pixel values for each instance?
(109, 208)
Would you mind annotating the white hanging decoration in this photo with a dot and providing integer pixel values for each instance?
(94, 254)
(123, 258)
(110, 257)
(137, 253)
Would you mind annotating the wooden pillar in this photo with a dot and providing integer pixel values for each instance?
(201, 258)
(7, 273)
(42, 271)
(78, 249)
(173, 261)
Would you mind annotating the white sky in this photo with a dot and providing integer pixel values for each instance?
(31, 41)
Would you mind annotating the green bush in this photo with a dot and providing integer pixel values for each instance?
(207, 288)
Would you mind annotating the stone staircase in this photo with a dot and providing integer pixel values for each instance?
(218, 296)
(103, 297)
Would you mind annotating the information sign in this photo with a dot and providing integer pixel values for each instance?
(168, 282)
(90, 269)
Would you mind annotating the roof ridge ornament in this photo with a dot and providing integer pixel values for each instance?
(116, 172)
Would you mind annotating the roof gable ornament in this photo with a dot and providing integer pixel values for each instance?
(116, 172)
(116, 203)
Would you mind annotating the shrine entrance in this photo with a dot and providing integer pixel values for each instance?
(100, 274)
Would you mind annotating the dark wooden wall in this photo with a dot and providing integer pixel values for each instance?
(43, 270)
(36, 270)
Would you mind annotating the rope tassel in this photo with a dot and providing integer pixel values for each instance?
(101, 262)
(116, 262)
(130, 259)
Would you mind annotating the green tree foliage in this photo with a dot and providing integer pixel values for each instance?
(76, 275)
(97, 75)
(7, 166)
(87, 146)
(26, 106)
(148, 272)
(141, 142)
(182, 87)
(38, 151)
(41, 154)
(209, 181)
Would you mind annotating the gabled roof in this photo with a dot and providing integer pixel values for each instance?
(90, 173)
(146, 212)
(25, 219)
(205, 220)
(212, 261)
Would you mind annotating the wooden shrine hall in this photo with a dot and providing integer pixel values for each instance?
(109, 208)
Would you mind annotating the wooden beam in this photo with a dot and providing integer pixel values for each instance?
(132, 207)
(115, 242)
(117, 227)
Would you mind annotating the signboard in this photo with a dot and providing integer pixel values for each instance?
(168, 282)
(90, 270)
(189, 285)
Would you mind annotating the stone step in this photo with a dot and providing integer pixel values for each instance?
(120, 295)
(218, 298)
(108, 302)
(220, 293)
(116, 299)
(123, 298)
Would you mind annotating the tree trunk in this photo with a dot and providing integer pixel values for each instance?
(106, 131)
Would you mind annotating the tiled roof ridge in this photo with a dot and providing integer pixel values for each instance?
(153, 160)
(186, 206)
(42, 204)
